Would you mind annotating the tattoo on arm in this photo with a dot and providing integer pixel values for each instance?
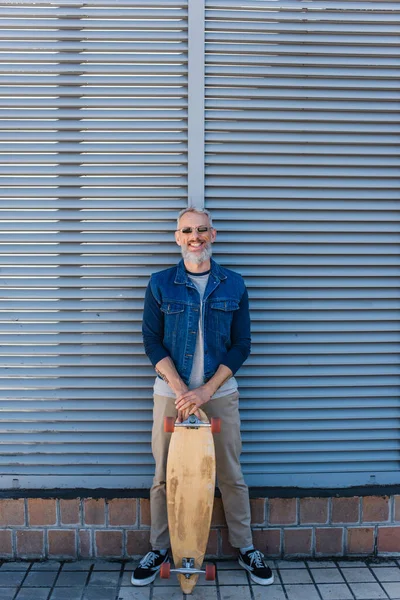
(164, 377)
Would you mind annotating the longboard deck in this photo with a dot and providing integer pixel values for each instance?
(190, 496)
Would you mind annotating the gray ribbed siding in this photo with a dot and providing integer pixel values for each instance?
(93, 170)
(302, 176)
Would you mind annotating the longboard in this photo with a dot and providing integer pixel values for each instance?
(190, 496)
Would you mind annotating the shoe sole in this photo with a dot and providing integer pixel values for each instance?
(254, 577)
(143, 582)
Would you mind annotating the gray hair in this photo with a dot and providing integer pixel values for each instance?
(191, 209)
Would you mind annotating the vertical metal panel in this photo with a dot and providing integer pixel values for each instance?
(196, 104)
(302, 177)
(93, 168)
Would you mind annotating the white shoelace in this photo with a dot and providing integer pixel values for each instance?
(148, 560)
(257, 558)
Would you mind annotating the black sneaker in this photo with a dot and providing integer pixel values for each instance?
(148, 568)
(253, 562)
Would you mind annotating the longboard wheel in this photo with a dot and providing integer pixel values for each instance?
(210, 572)
(169, 424)
(215, 425)
(165, 570)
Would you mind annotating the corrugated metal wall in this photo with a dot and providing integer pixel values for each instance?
(302, 173)
(302, 178)
(93, 130)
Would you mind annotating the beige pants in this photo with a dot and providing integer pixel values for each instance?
(228, 446)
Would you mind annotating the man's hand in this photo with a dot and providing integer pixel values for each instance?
(193, 399)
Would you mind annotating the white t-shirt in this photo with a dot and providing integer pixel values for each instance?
(162, 388)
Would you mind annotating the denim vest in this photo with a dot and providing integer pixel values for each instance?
(171, 319)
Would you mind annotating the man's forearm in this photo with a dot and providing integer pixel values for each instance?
(165, 368)
(222, 374)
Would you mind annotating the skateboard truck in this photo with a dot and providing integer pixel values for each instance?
(188, 569)
(192, 422)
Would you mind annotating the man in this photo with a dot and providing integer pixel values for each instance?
(196, 332)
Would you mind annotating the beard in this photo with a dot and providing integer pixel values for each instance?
(195, 258)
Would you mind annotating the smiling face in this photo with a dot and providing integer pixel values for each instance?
(195, 246)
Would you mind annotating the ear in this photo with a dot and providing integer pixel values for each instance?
(177, 238)
(213, 235)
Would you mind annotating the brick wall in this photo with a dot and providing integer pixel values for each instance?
(119, 528)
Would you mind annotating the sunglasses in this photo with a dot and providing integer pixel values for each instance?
(201, 229)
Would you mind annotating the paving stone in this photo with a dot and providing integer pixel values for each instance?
(11, 578)
(387, 573)
(321, 564)
(235, 592)
(293, 576)
(272, 592)
(108, 578)
(7, 593)
(228, 564)
(367, 591)
(336, 591)
(15, 566)
(162, 593)
(290, 564)
(126, 578)
(392, 589)
(103, 565)
(347, 564)
(232, 577)
(71, 593)
(171, 582)
(79, 565)
(66, 579)
(134, 593)
(33, 594)
(327, 576)
(301, 592)
(100, 593)
(40, 579)
(48, 565)
(360, 575)
(202, 593)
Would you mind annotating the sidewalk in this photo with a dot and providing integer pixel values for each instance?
(297, 580)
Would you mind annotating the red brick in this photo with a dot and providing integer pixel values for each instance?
(227, 549)
(84, 544)
(62, 543)
(145, 516)
(30, 543)
(69, 510)
(268, 541)
(122, 511)
(212, 545)
(218, 515)
(375, 509)
(94, 511)
(257, 507)
(360, 540)
(297, 541)
(346, 510)
(313, 510)
(389, 539)
(329, 541)
(138, 542)
(397, 508)
(42, 511)
(12, 512)
(6, 550)
(282, 511)
(109, 543)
